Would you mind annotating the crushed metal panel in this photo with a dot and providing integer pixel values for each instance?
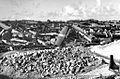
(4, 26)
(61, 36)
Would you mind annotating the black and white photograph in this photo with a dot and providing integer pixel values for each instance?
(59, 39)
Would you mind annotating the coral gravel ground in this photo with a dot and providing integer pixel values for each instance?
(49, 63)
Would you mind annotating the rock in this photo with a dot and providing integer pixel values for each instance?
(29, 68)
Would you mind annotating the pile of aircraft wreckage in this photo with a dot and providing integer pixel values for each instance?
(34, 35)
(51, 34)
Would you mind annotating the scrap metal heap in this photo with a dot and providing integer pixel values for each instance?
(46, 49)
(23, 35)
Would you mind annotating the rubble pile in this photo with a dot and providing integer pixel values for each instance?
(48, 63)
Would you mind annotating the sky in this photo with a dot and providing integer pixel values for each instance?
(59, 9)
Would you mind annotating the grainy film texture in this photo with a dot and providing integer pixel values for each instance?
(59, 39)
